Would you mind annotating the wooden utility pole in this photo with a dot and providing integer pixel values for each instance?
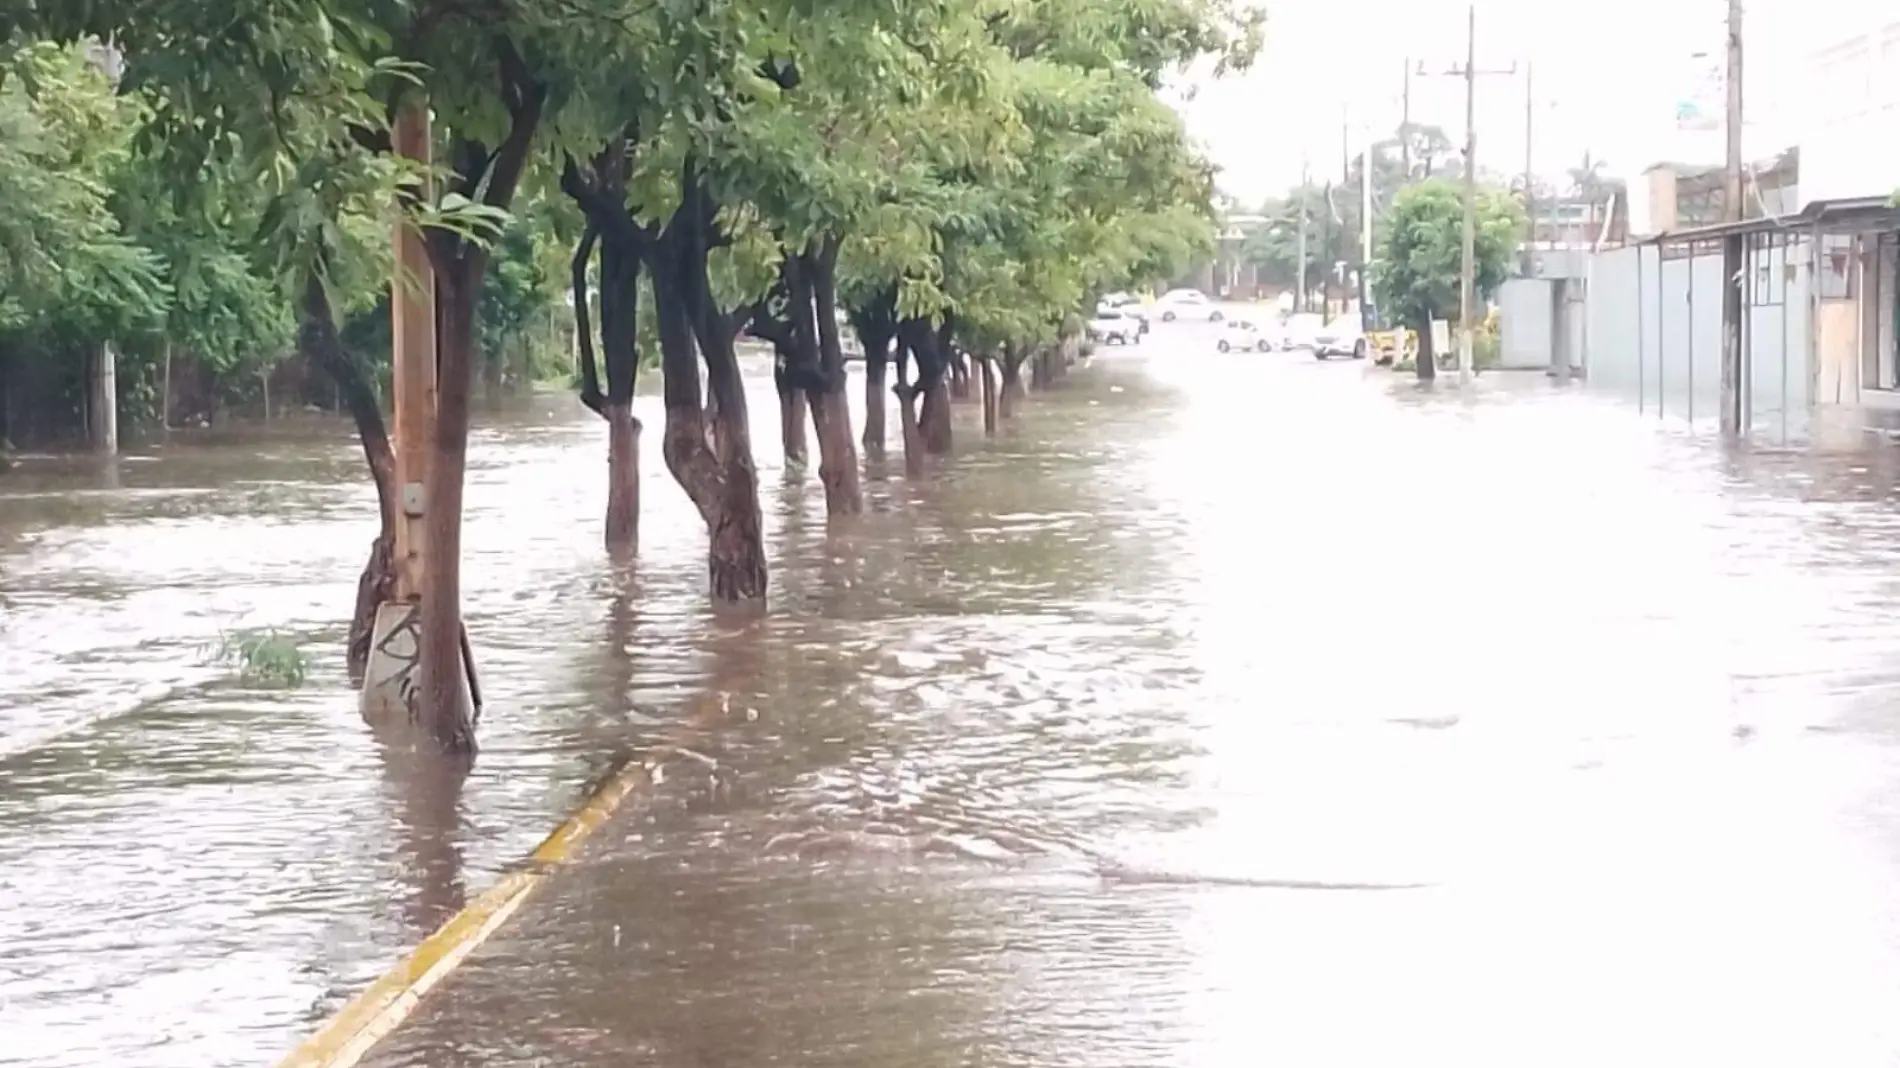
(391, 677)
(412, 359)
(1468, 280)
(1732, 243)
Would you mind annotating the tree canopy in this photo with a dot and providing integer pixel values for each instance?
(1417, 273)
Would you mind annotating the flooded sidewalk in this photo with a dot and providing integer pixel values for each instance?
(1001, 776)
(1621, 703)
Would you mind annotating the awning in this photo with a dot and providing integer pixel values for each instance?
(1848, 213)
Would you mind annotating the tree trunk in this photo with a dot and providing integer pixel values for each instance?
(794, 409)
(623, 479)
(929, 347)
(710, 455)
(619, 342)
(933, 416)
(736, 567)
(876, 367)
(1010, 398)
(317, 337)
(442, 703)
(986, 368)
(1427, 361)
(830, 411)
(959, 376)
(165, 395)
(876, 323)
(912, 432)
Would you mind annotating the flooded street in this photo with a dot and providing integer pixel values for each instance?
(1008, 773)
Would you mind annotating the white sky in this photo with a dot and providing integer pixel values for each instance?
(1607, 77)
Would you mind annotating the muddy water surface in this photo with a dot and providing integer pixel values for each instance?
(1625, 704)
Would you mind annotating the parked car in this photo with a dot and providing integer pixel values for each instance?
(1112, 327)
(1298, 331)
(1243, 335)
(1341, 337)
(1187, 304)
(1129, 310)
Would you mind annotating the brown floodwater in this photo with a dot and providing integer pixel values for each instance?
(1624, 704)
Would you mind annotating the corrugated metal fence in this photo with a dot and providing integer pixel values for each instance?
(1655, 330)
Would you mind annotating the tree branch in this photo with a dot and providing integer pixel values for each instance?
(583, 325)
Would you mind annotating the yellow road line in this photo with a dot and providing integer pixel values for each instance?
(355, 1030)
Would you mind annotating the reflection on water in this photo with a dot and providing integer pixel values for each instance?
(1621, 698)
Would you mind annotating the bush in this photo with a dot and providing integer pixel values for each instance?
(264, 658)
(1487, 350)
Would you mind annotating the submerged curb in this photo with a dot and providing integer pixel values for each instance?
(346, 1037)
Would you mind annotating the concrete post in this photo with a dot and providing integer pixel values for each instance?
(102, 399)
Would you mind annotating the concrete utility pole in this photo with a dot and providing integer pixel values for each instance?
(1468, 280)
(1405, 124)
(1299, 298)
(1365, 233)
(1732, 243)
(1530, 193)
(1345, 184)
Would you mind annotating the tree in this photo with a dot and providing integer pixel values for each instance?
(71, 276)
(1417, 275)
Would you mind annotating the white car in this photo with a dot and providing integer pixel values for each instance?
(1126, 306)
(1299, 329)
(1187, 304)
(1243, 335)
(1341, 337)
(1113, 327)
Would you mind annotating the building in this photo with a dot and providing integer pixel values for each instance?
(1819, 279)
(1229, 275)
(1678, 196)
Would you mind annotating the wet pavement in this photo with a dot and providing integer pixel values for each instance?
(1624, 701)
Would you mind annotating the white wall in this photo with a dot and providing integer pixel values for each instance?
(1851, 104)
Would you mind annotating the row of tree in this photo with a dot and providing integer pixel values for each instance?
(954, 181)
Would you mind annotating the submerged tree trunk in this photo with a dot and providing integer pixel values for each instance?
(620, 345)
(443, 706)
(929, 347)
(830, 411)
(876, 325)
(317, 337)
(986, 369)
(600, 193)
(1427, 361)
(794, 411)
(959, 375)
(710, 454)
(876, 378)
(1010, 397)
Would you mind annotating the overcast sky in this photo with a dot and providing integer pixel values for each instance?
(1607, 77)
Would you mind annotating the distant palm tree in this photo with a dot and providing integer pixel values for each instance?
(1586, 179)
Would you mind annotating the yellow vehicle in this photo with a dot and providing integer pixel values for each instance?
(1392, 346)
